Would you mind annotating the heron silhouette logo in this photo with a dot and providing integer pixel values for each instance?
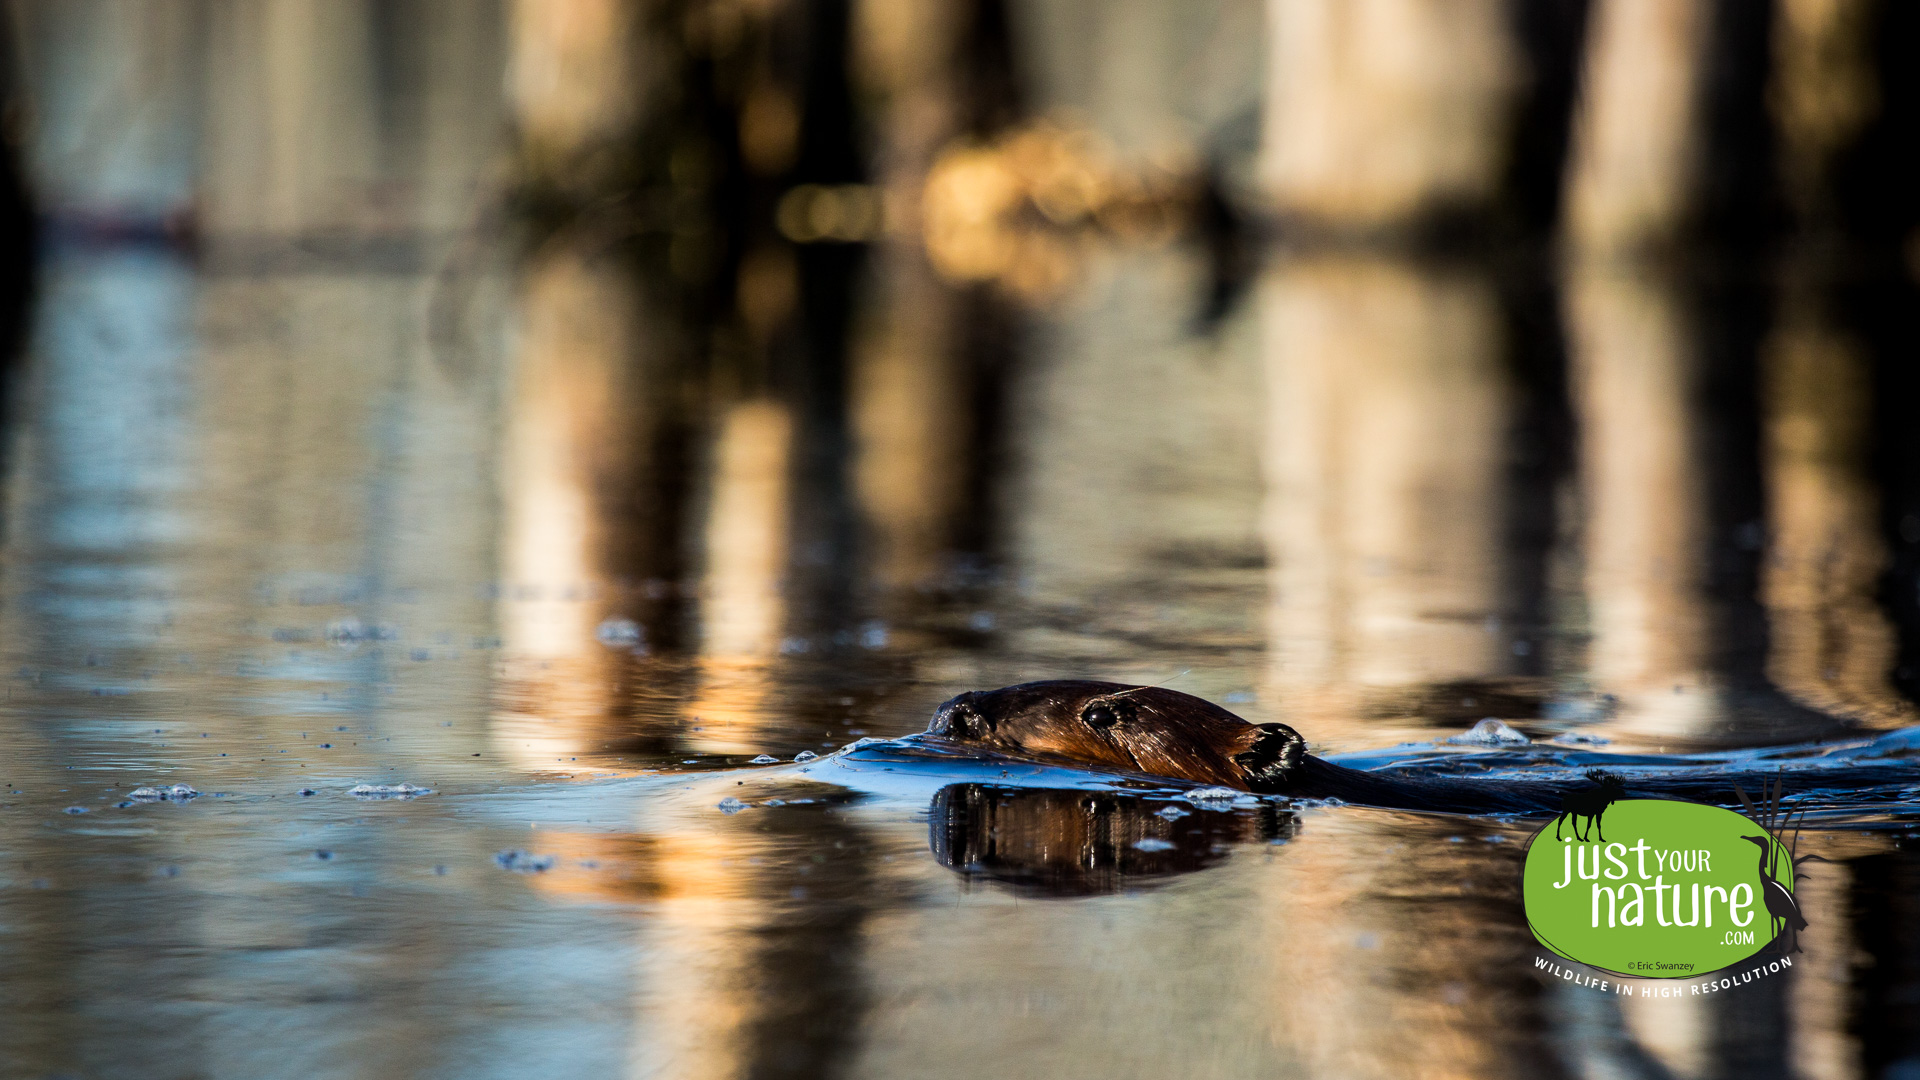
(1672, 890)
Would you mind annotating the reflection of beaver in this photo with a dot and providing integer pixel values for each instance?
(1081, 843)
(1151, 729)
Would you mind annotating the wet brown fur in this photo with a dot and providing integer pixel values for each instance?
(1167, 733)
(1160, 731)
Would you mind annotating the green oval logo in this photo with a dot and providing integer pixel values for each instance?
(1673, 891)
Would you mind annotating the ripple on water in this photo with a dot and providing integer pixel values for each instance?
(171, 793)
(523, 862)
(1490, 732)
(375, 792)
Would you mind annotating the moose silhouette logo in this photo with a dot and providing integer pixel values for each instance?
(1590, 803)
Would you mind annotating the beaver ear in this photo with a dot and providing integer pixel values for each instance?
(1271, 754)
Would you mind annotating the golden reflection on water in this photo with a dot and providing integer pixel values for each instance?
(573, 455)
(1383, 505)
(1633, 375)
(1832, 646)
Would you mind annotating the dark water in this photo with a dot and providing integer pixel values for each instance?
(357, 486)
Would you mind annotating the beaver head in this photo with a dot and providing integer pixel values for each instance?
(1147, 729)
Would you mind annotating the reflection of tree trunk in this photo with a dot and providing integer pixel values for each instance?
(292, 140)
(1820, 997)
(1635, 135)
(926, 371)
(1634, 376)
(586, 557)
(1883, 311)
(1396, 954)
(743, 595)
(755, 960)
(1883, 966)
(1411, 469)
(1832, 648)
(1674, 512)
(1381, 112)
(746, 535)
(1385, 467)
(1537, 481)
(574, 90)
(18, 241)
(912, 426)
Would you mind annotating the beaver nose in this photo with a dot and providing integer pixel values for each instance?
(959, 718)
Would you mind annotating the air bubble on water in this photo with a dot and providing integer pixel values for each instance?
(167, 871)
(620, 632)
(873, 634)
(1171, 813)
(1456, 839)
(1494, 838)
(805, 756)
(730, 805)
(981, 621)
(1153, 843)
(74, 810)
(523, 862)
(1579, 738)
(323, 855)
(173, 793)
(764, 759)
(1212, 798)
(1490, 732)
(308, 791)
(125, 804)
(776, 802)
(387, 791)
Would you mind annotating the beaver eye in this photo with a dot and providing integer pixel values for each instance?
(1105, 714)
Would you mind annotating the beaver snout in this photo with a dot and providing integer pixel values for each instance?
(961, 718)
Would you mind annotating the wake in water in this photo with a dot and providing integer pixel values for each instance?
(1854, 783)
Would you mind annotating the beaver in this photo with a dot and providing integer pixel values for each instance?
(1162, 732)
